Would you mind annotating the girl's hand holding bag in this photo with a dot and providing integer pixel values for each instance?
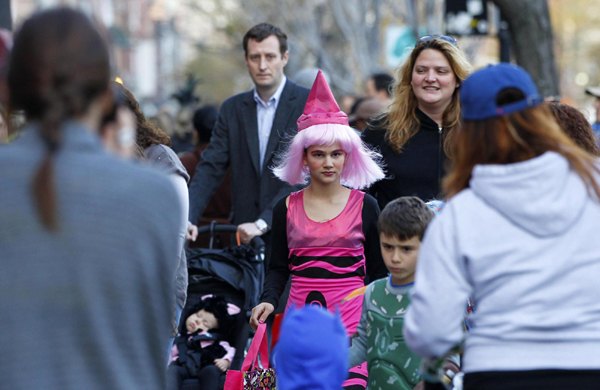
(255, 378)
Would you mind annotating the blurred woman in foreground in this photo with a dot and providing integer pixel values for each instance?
(87, 249)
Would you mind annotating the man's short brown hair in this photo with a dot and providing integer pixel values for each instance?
(261, 32)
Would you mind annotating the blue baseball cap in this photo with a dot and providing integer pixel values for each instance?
(479, 91)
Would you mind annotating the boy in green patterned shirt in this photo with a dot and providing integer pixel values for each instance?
(390, 363)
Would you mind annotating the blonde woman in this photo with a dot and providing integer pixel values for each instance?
(414, 133)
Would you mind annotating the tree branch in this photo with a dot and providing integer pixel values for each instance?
(533, 42)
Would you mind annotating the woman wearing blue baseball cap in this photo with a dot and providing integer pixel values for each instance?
(520, 236)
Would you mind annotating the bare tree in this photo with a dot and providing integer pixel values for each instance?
(532, 40)
(342, 37)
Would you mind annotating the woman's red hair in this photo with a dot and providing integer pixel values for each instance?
(514, 138)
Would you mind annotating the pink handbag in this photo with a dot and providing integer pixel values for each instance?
(255, 378)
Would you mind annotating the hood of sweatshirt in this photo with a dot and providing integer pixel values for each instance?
(542, 195)
(312, 351)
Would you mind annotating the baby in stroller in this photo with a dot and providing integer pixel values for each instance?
(202, 349)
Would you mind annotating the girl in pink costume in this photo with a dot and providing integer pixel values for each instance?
(326, 235)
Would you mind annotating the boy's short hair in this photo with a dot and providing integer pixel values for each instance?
(405, 218)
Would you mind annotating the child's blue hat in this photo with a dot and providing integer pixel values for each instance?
(312, 351)
(479, 91)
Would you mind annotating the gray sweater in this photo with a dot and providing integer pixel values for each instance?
(90, 306)
(165, 159)
(522, 241)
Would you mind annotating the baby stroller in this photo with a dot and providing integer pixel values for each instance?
(236, 273)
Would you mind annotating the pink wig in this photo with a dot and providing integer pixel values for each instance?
(362, 167)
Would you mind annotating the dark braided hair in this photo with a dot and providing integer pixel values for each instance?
(58, 67)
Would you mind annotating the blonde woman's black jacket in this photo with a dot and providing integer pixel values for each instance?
(417, 170)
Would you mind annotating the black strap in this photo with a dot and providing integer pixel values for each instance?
(212, 234)
(182, 347)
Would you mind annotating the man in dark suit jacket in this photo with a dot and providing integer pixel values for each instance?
(251, 130)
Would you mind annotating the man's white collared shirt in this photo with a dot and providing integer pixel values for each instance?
(265, 113)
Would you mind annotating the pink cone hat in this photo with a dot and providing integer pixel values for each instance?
(321, 106)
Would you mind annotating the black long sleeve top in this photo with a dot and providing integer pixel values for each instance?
(417, 170)
(279, 270)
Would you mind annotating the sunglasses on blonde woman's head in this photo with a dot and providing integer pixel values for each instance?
(446, 38)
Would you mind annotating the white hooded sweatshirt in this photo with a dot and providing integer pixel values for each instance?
(524, 242)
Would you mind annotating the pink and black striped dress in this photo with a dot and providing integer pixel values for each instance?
(327, 261)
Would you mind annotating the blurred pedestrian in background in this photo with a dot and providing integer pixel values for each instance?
(347, 102)
(366, 110)
(306, 77)
(204, 120)
(89, 251)
(414, 134)
(183, 131)
(219, 207)
(153, 146)
(576, 126)
(595, 92)
(379, 86)
(518, 236)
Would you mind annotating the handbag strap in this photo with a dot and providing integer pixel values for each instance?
(259, 346)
